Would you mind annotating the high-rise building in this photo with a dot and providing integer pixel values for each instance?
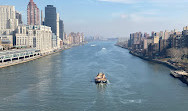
(42, 20)
(8, 24)
(19, 17)
(161, 34)
(51, 18)
(33, 14)
(54, 40)
(166, 35)
(82, 37)
(57, 25)
(61, 29)
(185, 36)
(146, 35)
(152, 34)
(8, 18)
(156, 39)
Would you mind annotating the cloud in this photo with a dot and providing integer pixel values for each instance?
(139, 15)
(124, 16)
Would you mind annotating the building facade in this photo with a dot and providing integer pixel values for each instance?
(33, 14)
(22, 38)
(51, 17)
(57, 25)
(19, 17)
(8, 24)
(8, 21)
(6, 42)
(37, 36)
(61, 29)
(42, 19)
(185, 37)
(54, 40)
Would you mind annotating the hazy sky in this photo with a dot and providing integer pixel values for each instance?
(114, 18)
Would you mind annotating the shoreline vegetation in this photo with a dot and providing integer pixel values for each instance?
(177, 67)
(16, 62)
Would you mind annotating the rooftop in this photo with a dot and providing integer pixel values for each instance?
(14, 51)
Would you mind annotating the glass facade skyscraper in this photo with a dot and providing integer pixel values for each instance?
(51, 18)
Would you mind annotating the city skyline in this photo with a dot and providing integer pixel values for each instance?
(90, 55)
(46, 37)
(114, 18)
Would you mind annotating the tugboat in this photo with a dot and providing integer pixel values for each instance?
(100, 78)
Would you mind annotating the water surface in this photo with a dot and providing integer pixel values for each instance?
(64, 82)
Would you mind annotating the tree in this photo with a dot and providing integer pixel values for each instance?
(185, 54)
(175, 54)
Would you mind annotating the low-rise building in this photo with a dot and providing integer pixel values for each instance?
(37, 36)
(6, 41)
(6, 44)
(22, 38)
(146, 42)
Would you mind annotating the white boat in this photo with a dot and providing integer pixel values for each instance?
(93, 45)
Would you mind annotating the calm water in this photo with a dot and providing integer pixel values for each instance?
(64, 82)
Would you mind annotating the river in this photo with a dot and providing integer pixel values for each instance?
(64, 82)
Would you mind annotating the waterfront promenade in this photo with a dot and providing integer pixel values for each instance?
(14, 57)
(24, 60)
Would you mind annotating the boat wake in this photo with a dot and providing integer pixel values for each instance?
(93, 45)
(108, 82)
(138, 101)
(101, 52)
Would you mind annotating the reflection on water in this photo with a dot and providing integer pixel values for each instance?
(101, 87)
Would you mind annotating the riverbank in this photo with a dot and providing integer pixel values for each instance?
(157, 61)
(182, 75)
(183, 78)
(20, 61)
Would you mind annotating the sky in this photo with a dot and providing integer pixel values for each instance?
(114, 18)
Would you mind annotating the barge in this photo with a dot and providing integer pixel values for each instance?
(100, 78)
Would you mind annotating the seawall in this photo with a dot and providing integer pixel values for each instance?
(37, 57)
(26, 60)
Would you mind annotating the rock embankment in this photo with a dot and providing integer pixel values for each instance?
(182, 75)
